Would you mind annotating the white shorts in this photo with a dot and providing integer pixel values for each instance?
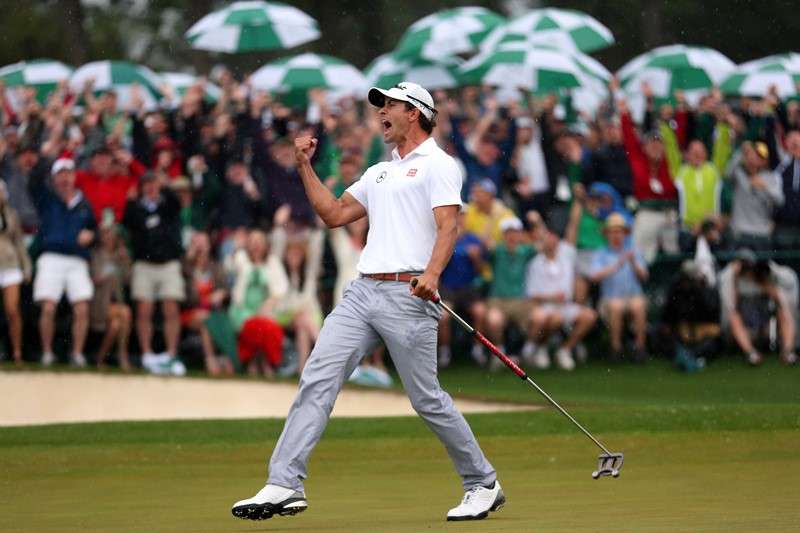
(56, 274)
(10, 276)
(568, 311)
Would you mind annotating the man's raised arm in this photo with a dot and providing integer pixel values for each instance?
(334, 212)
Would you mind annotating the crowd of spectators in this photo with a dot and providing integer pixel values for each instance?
(189, 223)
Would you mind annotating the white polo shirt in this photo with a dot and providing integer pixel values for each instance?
(399, 196)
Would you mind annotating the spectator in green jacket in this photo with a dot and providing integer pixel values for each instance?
(698, 180)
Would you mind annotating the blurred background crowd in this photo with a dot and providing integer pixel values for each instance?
(157, 220)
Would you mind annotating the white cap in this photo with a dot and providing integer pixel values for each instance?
(62, 163)
(510, 223)
(405, 91)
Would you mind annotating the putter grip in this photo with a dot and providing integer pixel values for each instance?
(435, 298)
(500, 355)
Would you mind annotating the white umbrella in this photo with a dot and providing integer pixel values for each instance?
(308, 71)
(253, 25)
(119, 76)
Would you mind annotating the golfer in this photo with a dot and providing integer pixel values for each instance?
(412, 203)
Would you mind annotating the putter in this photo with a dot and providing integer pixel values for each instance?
(608, 463)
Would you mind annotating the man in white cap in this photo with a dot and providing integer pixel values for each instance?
(412, 203)
(66, 231)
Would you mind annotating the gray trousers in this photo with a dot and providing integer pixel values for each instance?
(370, 311)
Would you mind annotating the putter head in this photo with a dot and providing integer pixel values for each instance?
(608, 464)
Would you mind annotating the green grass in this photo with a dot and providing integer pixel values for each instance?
(715, 451)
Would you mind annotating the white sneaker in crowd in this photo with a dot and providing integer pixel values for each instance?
(581, 353)
(78, 360)
(495, 363)
(541, 359)
(564, 359)
(479, 354)
(528, 351)
(478, 502)
(48, 358)
(754, 358)
(269, 501)
(150, 362)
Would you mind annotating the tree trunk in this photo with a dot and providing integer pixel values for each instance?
(652, 15)
(75, 38)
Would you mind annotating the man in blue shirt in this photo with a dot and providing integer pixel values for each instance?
(620, 271)
(66, 232)
(481, 153)
(459, 287)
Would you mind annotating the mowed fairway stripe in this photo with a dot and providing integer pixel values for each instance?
(672, 481)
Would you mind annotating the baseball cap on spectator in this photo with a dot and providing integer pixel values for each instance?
(555, 222)
(524, 122)
(510, 223)
(62, 163)
(101, 149)
(746, 255)
(691, 269)
(164, 144)
(616, 221)
(487, 185)
(652, 135)
(761, 149)
(180, 183)
(351, 158)
(147, 176)
(27, 147)
(579, 128)
(405, 91)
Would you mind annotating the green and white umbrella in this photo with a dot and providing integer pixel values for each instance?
(253, 25)
(447, 33)
(180, 83)
(755, 78)
(387, 71)
(120, 76)
(537, 68)
(565, 29)
(675, 67)
(41, 74)
(308, 71)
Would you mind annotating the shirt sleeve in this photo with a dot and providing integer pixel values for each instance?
(445, 183)
(599, 261)
(358, 190)
(532, 288)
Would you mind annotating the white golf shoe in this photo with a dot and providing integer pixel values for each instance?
(564, 359)
(478, 502)
(270, 500)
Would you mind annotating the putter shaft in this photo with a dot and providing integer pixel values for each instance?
(518, 371)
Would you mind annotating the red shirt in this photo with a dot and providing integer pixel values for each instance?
(109, 192)
(643, 186)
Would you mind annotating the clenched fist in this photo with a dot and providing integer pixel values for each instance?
(304, 148)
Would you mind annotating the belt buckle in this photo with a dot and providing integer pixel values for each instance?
(397, 276)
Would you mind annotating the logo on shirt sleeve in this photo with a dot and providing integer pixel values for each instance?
(381, 177)
(412, 172)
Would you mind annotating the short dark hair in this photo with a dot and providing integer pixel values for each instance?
(425, 123)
